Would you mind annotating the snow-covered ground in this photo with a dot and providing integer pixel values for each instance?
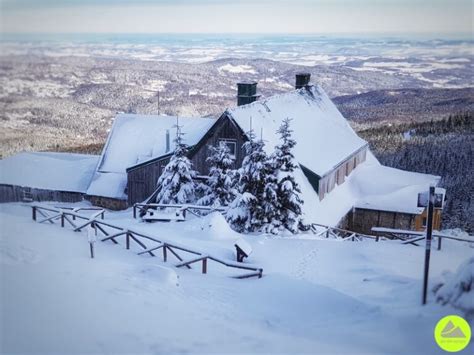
(316, 296)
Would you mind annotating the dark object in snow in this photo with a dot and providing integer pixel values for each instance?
(240, 254)
(243, 250)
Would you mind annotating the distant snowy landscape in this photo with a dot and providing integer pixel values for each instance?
(314, 292)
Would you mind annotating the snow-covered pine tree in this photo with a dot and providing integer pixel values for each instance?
(251, 211)
(219, 186)
(240, 212)
(289, 211)
(176, 184)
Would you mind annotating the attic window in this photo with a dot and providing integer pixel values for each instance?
(231, 144)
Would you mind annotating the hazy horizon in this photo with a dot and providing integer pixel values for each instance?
(390, 17)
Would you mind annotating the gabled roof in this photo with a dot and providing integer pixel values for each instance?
(138, 138)
(324, 138)
(50, 171)
(134, 139)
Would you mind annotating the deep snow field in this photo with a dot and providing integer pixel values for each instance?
(316, 296)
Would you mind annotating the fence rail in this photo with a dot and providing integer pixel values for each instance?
(112, 232)
(141, 208)
(334, 232)
(412, 237)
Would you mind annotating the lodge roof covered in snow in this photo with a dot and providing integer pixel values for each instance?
(324, 138)
(50, 171)
(135, 139)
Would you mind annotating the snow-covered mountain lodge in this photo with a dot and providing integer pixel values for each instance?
(342, 182)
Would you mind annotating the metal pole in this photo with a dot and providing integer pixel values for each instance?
(429, 232)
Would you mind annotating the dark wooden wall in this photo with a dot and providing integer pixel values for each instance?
(13, 193)
(141, 182)
(362, 220)
(225, 129)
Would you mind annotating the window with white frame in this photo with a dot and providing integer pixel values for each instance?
(231, 144)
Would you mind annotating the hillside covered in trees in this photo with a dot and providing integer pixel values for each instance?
(444, 148)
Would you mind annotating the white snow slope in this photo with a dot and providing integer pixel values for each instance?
(316, 296)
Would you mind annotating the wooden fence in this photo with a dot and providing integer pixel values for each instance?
(412, 237)
(112, 232)
(333, 232)
(141, 208)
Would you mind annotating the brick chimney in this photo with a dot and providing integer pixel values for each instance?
(246, 93)
(302, 80)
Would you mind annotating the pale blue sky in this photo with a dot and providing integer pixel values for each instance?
(242, 16)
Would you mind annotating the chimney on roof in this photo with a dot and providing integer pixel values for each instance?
(246, 93)
(302, 80)
(168, 141)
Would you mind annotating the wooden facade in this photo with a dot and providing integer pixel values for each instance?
(142, 178)
(107, 202)
(420, 220)
(14, 193)
(328, 182)
(362, 220)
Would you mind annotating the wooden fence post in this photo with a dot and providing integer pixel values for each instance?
(34, 213)
(92, 249)
(164, 253)
(327, 233)
(128, 240)
(134, 211)
(204, 266)
(62, 219)
(439, 243)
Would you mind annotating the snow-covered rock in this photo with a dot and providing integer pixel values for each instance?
(217, 227)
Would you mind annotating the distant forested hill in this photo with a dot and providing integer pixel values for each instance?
(444, 147)
(402, 105)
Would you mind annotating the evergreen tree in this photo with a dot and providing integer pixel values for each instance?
(176, 185)
(218, 190)
(240, 214)
(288, 209)
(251, 211)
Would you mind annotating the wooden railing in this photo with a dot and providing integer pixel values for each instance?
(326, 231)
(111, 232)
(182, 209)
(412, 237)
(64, 214)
